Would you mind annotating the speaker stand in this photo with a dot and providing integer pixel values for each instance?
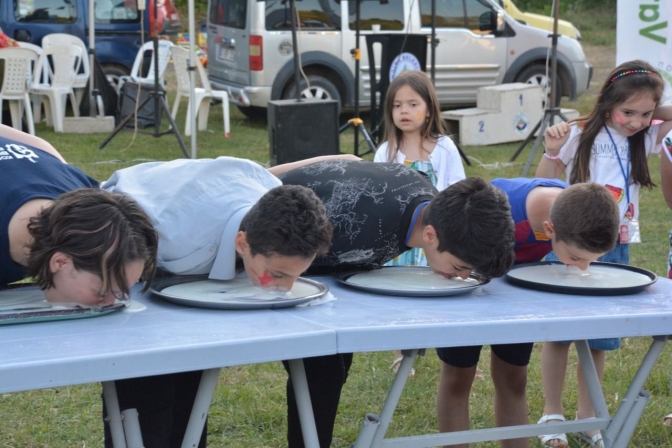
(158, 96)
(357, 122)
(551, 110)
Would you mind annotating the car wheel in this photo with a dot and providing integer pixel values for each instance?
(536, 74)
(320, 88)
(113, 73)
(253, 112)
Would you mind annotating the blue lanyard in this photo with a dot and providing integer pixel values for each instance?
(413, 220)
(626, 174)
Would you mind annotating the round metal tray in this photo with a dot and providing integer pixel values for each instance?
(474, 281)
(160, 284)
(25, 303)
(542, 285)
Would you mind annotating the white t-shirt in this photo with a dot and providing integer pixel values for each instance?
(604, 166)
(445, 160)
(196, 207)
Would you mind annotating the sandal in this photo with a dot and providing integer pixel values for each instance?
(594, 441)
(395, 367)
(667, 420)
(560, 439)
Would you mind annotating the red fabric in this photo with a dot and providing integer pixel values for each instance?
(6, 41)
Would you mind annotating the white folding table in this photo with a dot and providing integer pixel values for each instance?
(497, 313)
(163, 338)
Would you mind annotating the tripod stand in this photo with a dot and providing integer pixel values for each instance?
(551, 110)
(157, 95)
(357, 122)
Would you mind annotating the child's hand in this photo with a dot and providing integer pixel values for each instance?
(554, 137)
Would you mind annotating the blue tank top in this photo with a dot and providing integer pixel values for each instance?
(530, 247)
(28, 173)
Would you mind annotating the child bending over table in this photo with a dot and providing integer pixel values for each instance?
(79, 243)
(216, 217)
(580, 223)
(380, 210)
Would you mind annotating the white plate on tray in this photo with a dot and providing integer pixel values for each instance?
(600, 279)
(410, 281)
(238, 294)
(25, 303)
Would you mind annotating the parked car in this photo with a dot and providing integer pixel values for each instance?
(118, 26)
(250, 50)
(540, 21)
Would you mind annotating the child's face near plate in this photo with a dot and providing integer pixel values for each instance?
(72, 285)
(574, 256)
(275, 271)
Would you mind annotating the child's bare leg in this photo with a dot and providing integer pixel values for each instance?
(510, 401)
(453, 399)
(585, 404)
(553, 368)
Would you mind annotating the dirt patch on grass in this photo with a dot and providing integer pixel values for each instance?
(603, 60)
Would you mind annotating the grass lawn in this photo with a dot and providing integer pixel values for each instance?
(249, 404)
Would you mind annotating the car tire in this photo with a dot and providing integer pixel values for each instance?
(320, 88)
(113, 73)
(253, 112)
(536, 74)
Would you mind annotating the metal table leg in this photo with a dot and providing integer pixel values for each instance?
(305, 407)
(114, 414)
(374, 427)
(199, 413)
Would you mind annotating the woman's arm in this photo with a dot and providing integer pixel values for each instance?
(666, 170)
(22, 137)
(663, 113)
(280, 169)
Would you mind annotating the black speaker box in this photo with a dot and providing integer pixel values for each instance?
(303, 129)
(126, 104)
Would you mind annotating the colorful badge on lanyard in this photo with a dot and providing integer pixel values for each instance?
(629, 227)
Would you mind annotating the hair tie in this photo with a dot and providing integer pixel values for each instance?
(632, 72)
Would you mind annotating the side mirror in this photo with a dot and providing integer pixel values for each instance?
(487, 21)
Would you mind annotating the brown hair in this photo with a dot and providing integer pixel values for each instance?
(628, 79)
(586, 216)
(473, 222)
(433, 128)
(101, 231)
(290, 221)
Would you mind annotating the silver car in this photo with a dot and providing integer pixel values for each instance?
(250, 51)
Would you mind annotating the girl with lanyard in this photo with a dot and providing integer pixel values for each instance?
(609, 146)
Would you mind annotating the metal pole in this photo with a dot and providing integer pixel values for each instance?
(192, 75)
(433, 44)
(92, 46)
(297, 65)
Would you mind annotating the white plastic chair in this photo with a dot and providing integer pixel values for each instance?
(37, 99)
(18, 65)
(203, 94)
(84, 73)
(136, 71)
(63, 63)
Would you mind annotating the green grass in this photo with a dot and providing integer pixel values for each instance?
(248, 408)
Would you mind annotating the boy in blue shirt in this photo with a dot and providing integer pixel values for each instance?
(580, 224)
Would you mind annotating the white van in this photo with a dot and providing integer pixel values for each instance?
(250, 49)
